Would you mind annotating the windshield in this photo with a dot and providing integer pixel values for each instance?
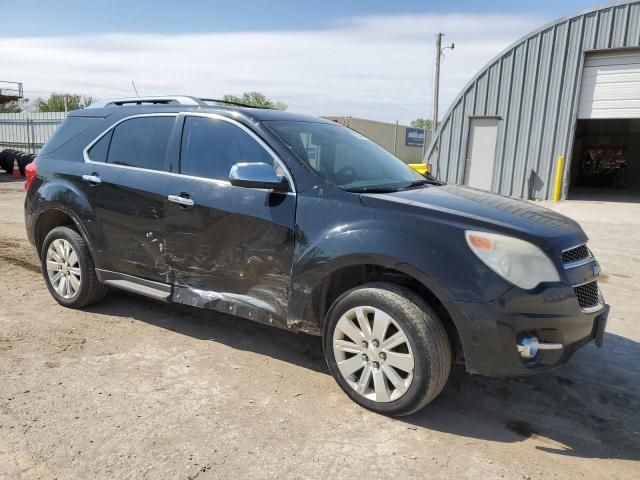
(345, 158)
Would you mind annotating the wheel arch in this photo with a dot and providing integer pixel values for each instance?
(59, 203)
(53, 217)
(346, 277)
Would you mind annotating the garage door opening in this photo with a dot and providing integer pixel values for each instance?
(606, 160)
(606, 153)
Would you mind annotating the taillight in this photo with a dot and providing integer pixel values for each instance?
(30, 172)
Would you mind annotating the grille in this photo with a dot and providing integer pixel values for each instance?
(587, 294)
(575, 254)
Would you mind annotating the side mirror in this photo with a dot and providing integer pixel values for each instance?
(257, 175)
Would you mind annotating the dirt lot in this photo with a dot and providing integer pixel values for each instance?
(131, 388)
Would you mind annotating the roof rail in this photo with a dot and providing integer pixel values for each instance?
(237, 104)
(159, 100)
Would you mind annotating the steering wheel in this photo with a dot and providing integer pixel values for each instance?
(345, 175)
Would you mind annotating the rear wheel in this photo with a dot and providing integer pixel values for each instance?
(68, 269)
(386, 348)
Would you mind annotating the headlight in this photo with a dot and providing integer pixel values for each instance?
(515, 260)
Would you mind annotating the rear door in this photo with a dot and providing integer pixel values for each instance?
(230, 248)
(126, 182)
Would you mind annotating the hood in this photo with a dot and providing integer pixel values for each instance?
(480, 209)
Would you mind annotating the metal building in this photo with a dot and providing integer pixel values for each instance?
(406, 143)
(570, 89)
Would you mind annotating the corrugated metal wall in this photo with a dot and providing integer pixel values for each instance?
(28, 131)
(384, 134)
(533, 88)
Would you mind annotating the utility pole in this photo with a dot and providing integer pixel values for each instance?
(436, 84)
(436, 80)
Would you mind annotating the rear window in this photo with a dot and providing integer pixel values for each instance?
(69, 129)
(141, 142)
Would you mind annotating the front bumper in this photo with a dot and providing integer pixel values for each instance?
(489, 332)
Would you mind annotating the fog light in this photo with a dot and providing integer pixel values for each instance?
(528, 346)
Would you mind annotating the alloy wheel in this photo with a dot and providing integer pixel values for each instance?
(373, 354)
(63, 268)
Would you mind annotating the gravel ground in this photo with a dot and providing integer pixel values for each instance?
(131, 388)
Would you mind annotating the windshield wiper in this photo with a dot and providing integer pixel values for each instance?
(373, 189)
(424, 181)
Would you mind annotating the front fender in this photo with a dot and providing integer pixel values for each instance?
(336, 230)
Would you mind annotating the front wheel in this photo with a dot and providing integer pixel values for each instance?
(386, 348)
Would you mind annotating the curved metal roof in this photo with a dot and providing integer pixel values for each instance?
(538, 75)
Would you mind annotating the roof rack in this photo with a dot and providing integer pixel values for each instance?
(166, 100)
(159, 100)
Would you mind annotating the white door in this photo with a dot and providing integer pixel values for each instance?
(610, 86)
(481, 152)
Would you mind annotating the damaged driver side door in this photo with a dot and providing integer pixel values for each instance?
(229, 248)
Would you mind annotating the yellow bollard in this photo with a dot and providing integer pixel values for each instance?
(422, 168)
(559, 171)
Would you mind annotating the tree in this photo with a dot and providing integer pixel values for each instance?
(421, 123)
(255, 99)
(56, 102)
(16, 106)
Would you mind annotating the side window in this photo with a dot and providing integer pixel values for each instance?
(141, 142)
(98, 153)
(211, 147)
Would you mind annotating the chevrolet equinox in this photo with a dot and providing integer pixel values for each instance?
(301, 223)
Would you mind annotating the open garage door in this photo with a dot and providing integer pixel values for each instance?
(606, 155)
(610, 85)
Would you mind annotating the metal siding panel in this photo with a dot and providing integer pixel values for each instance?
(605, 18)
(492, 90)
(547, 149)
(633, 32)
(454, 143)
(445, 136)
(480, 103)
(590, 30)
(504, 95)
(569, 98)
(620, 26)
(526, 116)
(468, 110)
(513, 121)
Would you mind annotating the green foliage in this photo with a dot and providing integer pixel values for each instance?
(255, 99)
(56, 102)
(421, 123)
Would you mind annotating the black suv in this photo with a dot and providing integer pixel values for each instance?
(304, 224)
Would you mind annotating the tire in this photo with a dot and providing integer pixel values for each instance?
(86, 289)
(415, 382)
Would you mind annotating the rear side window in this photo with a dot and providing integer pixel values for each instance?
(140, 142)
(99, 151)
(210, 147)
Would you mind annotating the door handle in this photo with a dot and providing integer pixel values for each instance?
(181, 200)
(93, 179)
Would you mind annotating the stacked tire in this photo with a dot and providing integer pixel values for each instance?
(8, 156)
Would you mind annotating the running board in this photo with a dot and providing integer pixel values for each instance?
(141, 286)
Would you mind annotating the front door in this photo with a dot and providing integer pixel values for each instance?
(481, 152)
(230, 248)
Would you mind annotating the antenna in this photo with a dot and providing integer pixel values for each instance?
(134, 88)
